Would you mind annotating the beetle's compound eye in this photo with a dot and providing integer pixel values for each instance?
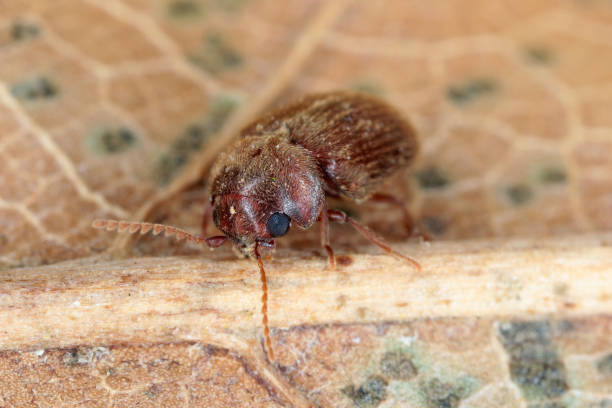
(278, 224)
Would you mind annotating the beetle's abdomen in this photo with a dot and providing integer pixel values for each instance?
(357, 140)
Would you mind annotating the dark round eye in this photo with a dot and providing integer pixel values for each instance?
(278, 224)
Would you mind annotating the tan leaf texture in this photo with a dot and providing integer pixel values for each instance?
(116, 108)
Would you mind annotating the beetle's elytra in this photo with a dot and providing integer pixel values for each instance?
(286, 163)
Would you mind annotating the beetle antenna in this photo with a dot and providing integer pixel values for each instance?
(341, 217)
(145, 227)
(264, 303)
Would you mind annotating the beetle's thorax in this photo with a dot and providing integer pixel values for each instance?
(261, 175)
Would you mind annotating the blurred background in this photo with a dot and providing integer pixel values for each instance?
(103, 104)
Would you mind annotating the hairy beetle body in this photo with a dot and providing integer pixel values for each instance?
(340, 143)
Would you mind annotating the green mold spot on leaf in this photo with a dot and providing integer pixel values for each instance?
(111, 140)
(548, 404)
(184, 9)
(431, 178)
(539, 55)
(397, 365)
(369, 394)
(217, 55)
(33, 89)
(519, 194)
(21, 30)
(192, 139)
(230, 5)
(471, 90)
(439, 394)
(535, 365)
(604, 365)
(552, 175)
(222, 108)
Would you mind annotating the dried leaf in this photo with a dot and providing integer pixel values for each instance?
(114, 109)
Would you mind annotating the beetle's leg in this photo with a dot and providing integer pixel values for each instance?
(414, 229)
(393, 200)
(325, 237)
(341, 217)
(206, 217)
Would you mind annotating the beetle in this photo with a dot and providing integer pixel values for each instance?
(281, 170)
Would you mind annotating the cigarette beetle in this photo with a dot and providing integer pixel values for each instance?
(286, 163)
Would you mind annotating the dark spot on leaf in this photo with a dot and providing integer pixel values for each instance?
(221, 109)
(21, 30)
(519, 193)
(217, 55)
(110, 140)
(184, 9)
(435, 225)
(548, 404)
(565, 326)
(397, 365)
(70, 358)
(192, 139)
(168, 165)
(471, 90)
(535, 365)
(74, 357)
(34, 89)
(539, 55)
(431, 178)
(230, 5)
(604, 365)
(552, 175)
(153, 391)
(439, 394)
(370, 394)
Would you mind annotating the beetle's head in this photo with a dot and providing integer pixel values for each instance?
(247, 220)
(261, 187)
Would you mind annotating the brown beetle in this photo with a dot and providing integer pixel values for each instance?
(286, 163)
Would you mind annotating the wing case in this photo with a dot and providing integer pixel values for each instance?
(357, 139)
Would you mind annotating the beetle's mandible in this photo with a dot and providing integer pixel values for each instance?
(286, 163)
